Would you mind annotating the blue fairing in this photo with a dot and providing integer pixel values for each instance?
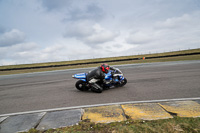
(108, 76)
(81, 76)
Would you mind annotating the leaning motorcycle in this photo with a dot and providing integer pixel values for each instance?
(114, 78)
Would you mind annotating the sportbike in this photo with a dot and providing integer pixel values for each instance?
(114, 78)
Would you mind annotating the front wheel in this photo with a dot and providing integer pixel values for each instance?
(123, 82)
(81, 85)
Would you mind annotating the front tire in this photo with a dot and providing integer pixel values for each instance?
(123, 82)
(81, 85)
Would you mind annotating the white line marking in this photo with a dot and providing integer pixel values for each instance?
(96, 105)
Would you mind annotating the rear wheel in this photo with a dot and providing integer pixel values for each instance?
(81, 85)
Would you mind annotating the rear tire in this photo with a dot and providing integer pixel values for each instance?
(81, 85)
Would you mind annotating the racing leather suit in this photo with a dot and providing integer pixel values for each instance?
(96, 78)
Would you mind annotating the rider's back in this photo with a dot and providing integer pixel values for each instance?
(96, 74)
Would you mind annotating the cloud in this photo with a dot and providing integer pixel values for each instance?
(140, 37)
(28, 46)
(2, 30)
(88, 12)
(100, 35)
(12, 37)
(66, 52)
(52, 5)
(79, 29)
(19, 53)
(71, 11)
(89, 33)
(176, 32)
(182, 30)
(176, 22)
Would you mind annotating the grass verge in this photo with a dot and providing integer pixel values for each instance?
(177, 58)
(174, 125)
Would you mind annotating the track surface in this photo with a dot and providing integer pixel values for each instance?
(150, 81)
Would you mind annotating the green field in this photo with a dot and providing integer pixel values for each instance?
(178, 58)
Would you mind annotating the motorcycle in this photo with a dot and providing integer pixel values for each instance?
(114, 78)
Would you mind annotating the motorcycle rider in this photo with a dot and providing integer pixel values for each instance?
(97, 77)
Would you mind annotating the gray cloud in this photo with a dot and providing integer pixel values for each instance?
(89, 12)
(79, 29)
(12, 37)
(19, 53)
(175, 31)
(118, 45)
(100, 37)
(2, 30)
(90, 33)
(52, 5)
(140, 37)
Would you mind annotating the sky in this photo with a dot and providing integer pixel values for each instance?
(35, 31)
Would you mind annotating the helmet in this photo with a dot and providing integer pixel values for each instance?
(105, 68)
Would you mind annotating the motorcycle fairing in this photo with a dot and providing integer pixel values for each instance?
(81, 76)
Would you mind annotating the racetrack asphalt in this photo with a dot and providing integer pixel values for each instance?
(149, 81)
